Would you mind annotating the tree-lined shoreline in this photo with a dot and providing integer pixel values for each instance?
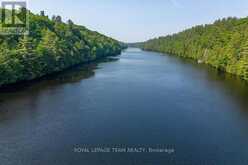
(223, 45)
(50, 47)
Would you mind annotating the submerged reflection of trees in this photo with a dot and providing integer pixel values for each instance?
(71, 75)
(232, 85)
(32, 90)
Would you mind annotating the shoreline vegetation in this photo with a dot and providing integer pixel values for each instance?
(223, 45)
(59, 75)
(51, 46)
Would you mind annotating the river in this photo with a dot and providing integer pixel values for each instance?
(116, 111)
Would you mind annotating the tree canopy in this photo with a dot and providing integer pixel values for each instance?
(51, 46)
(223, 44)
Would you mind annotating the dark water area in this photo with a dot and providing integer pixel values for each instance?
(135, 102)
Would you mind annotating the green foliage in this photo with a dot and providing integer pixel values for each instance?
(223, 45)
(51, 46)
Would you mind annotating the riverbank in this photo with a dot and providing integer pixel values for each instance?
(82, 67)
(200, 61)
(138, 101)
(51, 46)
(223, 45)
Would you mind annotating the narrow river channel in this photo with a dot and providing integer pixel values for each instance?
(137, 101)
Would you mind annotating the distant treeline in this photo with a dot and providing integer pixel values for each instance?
(135, 45)
(51, 46)
(223, 44)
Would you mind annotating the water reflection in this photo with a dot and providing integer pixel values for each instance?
(231, 85)
(144, 99)
(72, 75)
(31, 91)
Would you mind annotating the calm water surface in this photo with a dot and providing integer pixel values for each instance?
(141, 99)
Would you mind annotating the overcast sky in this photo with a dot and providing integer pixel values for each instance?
(139, 20)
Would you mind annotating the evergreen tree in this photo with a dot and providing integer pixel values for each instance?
(51, 46)
(42, 13)
(226, 41)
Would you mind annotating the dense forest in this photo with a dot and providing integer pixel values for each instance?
(223, 44)
(51, 46)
